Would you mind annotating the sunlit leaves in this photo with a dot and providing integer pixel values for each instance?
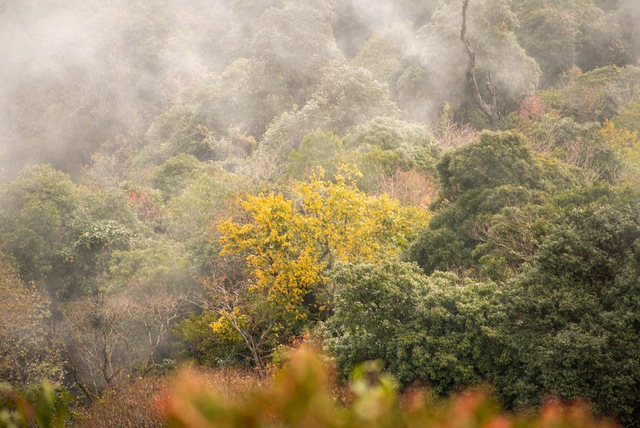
(290, 242)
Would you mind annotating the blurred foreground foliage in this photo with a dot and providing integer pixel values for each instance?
(44, 409)
(301, 395)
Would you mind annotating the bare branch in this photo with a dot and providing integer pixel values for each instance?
(514, 233)
(490, 109)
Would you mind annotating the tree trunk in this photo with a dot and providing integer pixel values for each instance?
(490, 109)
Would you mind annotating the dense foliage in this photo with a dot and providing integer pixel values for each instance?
(217, 181)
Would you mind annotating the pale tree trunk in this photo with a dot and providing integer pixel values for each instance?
(490, 109)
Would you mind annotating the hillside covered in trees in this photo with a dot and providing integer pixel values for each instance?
(448, 188)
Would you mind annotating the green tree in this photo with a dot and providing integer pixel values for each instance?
(317, 150)
(61, 235)
(173, 175)
(588, 34)
(552, 32)
(344, 97)
(383, 146)
(180, 130)
(477, 182)
(596, 95)
(579, 144)
(191, 216)
(393, 56)
(574, 308)
(441, 330)
(37, 206)
(626, 145)
(295, 42)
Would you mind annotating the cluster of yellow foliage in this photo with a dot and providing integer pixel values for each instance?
(292, 241)
(626, 144)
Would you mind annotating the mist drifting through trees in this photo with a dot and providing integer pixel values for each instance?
(447, 188)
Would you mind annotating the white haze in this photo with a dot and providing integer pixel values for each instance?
(76, 74)
(71, 65)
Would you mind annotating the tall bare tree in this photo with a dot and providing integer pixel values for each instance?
(490, 108)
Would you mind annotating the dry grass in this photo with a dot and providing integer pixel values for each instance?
(140, 402)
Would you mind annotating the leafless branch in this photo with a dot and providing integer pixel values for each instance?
(490, 109)
(514, 234)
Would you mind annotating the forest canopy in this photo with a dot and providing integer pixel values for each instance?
(447, 189)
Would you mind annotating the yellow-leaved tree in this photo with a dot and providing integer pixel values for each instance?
(290, 243)
(626, 144)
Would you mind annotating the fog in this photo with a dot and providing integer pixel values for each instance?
(77, 75)
(634, 14)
